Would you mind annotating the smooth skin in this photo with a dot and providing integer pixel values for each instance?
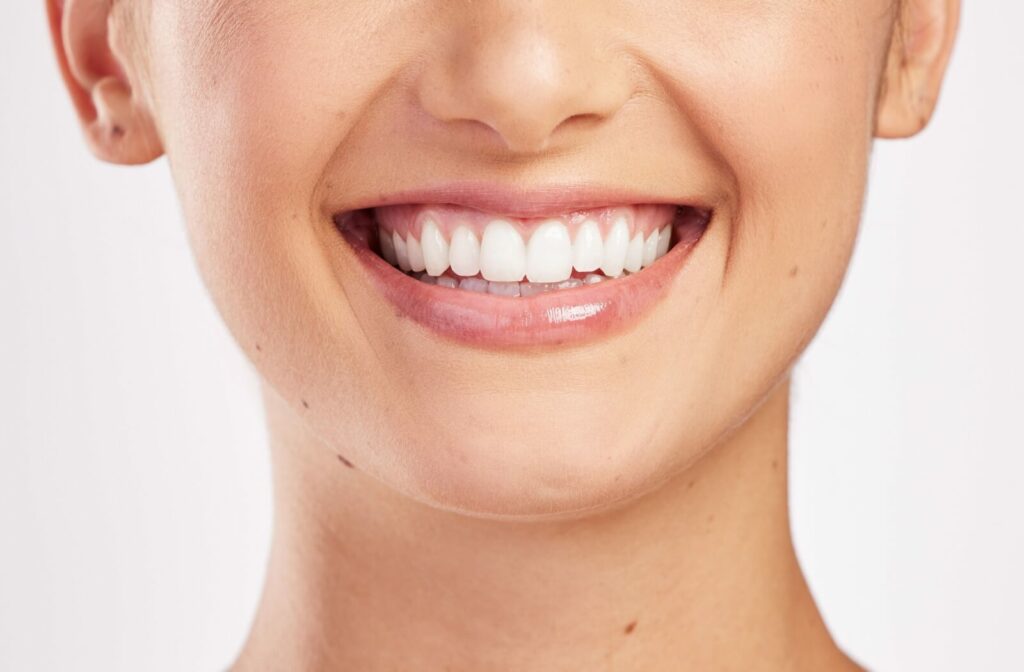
(616, 505)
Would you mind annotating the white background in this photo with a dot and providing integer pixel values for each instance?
(134, 476)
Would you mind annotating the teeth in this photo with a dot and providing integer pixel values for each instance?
(651, 249)
(503, 288)
(464, 252)
(549, 253)
(502, 253)
(503, 265)
(664, 237)
(435, 249)
(387, 247)
(400, 252)
(588, 250)
(615, 246)
(415, 253)
(635, 254)
(474, 284)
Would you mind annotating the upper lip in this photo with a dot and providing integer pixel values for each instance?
(522, 202)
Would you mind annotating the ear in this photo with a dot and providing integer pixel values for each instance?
(118, 126)
(921, 45)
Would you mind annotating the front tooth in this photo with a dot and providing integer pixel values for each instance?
(464, 252)
(502, 253)
(651, 248)
(635, 253)
(435, 248)
(588, 250)
(415, 253)
(387, 247)
(615, 246)
(549, 253)
(663, 240)
(401, 251)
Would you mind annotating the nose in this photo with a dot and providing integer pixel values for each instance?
(524, 70)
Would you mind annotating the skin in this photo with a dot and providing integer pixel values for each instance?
(615, 505)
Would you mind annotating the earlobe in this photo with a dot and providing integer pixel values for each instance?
(117, 124)
(922, 43)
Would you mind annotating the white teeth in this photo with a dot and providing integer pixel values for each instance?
(635, 254)
(588, 250)
(615, 246)
(435, 248)
(503, 260)
(400, 252)
(650, 249)
(387, 247)
(664, 238)
(464, 252)
(549, 253)
(415, 254)
(502, 253)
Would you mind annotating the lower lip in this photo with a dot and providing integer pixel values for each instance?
(570, 316)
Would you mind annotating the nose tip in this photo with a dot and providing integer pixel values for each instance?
(524, 83)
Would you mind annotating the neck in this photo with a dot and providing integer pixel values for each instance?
(699, 574)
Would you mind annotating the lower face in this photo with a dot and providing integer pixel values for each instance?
(520, 333)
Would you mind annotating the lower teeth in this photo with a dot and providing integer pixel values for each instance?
(512, 289)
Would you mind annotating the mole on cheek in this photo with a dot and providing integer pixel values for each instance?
(793, 271)
(630, 628)
(341, 458)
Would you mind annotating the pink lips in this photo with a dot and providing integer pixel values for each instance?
(561, 317)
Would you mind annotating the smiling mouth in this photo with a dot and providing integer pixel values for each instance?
(496, 280)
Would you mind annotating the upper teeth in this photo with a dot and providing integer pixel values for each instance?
(550, 255)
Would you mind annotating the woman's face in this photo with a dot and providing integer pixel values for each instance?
(280, 117)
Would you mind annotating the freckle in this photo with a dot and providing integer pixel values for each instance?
(305, 404)
(117, 131)
(690, 485)
(623, 360)
(775, 464)
(793, 271)
(711, 519)
(341, 458)
(630, 628)
(258, 348)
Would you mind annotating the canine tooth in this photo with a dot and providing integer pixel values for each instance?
(401, 251)
(435, 248)
(549, 253)
(502, 253)
(588, 249)
(447, 281)
(415, 254)
(651, 249)
(635, 253)
(615, 246)
(387, 247)
(503, 288)
(664, 237)
(464, 252)
(473, 284)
